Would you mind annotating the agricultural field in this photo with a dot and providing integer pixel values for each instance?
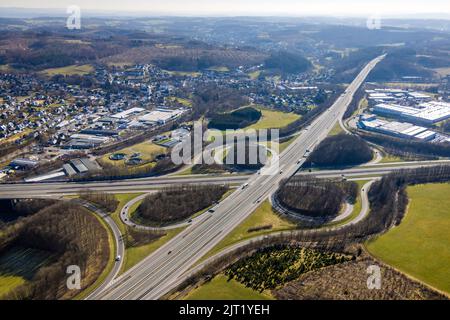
(443, 72)
(219, 69)
(184, 102)
(420, 245)
(219, 288)
(147, 152)
(5, 68)
(18, 265)
(229, 58)
(274, 119)
(69, 70)
(254, 75)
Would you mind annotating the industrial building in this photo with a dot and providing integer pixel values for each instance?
(127, 113)
(160, 116)
(84, 141)
(396, 129)
(425, 113)
(377, 96)
(23, 164)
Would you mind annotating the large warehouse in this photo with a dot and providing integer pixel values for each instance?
(425, 113)
(160, 116)
(396, 129)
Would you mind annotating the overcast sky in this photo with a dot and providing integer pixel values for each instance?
(248, 7)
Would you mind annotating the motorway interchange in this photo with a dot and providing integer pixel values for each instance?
(158, 273)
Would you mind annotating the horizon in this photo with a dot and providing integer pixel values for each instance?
(400, 9)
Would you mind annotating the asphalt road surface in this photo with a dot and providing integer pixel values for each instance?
(156, 274)
(144, 185)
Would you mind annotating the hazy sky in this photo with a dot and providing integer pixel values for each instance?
(248, 7)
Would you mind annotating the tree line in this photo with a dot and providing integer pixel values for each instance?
(315, 197)
(210, 99)
(177, 203)
(405, 147)
(340, 150)
(72, 236)
(237, 119)
(388, 203)
(103, 200)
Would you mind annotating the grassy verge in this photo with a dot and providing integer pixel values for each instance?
(337, 129)
(135, 254)
(263, 215)
(123, 200)
(420, 245)
(356, 207)
(219, 288)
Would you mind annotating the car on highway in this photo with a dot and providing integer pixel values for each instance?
(118, 258)
(245, 185)
(169, 252)
(211, 210)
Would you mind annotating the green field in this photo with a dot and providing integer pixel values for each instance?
(184, 102)
(147, 150)
(221, 289)
(254, 75)
(219, 69)
(18, 265)
(420, 245)
(274, 119)
(69, 70)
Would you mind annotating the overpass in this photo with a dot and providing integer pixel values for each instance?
(159, 272)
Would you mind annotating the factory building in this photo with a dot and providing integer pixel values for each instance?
(127, 113)
(425, 113)
(160, 116)
(396, 129)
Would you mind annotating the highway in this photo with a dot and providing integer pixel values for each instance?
(146, 185)
(156, 274)
(362, 214)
